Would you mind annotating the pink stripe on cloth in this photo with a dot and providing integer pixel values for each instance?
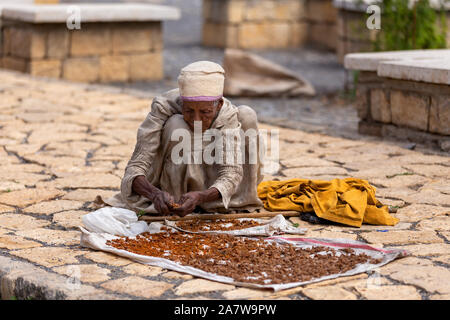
(201, 98)
(339, 244)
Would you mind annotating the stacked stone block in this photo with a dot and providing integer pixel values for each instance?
(353, 34)
(265, 24)
(408, 109)
(322, 18)
(98, 52)
(251, 24)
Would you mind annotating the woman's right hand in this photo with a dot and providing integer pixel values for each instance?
(163, 202)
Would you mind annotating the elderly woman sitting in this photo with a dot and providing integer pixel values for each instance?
(158, 179)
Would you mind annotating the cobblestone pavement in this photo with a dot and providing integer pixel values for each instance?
(62, 144)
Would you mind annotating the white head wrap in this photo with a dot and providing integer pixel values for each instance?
(201, 81)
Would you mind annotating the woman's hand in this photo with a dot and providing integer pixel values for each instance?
(190, 200)
(163, 202)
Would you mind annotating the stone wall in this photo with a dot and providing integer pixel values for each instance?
(353, 34)
(99, 52)
(413, 110)
(46, 1)
(322, 20)
(260, 24)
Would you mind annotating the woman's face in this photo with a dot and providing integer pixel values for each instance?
(203, 111)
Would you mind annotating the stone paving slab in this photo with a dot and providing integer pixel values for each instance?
(54, 165)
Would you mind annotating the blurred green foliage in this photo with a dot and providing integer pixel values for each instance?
(406, 27)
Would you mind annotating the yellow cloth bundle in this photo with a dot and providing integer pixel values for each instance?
(348, 201)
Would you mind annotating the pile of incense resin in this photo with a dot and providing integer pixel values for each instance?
(216, 225)
(244, 259)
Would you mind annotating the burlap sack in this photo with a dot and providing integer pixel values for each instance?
(248, 75)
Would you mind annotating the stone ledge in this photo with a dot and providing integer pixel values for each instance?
(370, 61)
(89, 13)
(431, 66)
(431, 71)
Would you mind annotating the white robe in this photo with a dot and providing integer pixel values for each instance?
(151, 158)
